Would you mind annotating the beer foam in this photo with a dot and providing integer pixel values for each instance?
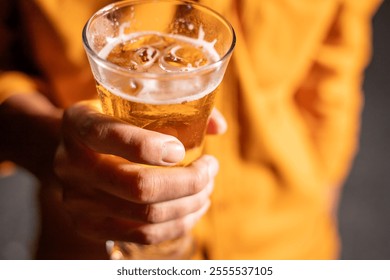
(200, 41)
(154, 91)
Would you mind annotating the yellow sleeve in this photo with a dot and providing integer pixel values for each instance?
(13, 82)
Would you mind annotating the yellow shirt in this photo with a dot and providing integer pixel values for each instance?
(292, 99)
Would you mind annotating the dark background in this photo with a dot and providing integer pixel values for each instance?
(365, 204)
(364, 214)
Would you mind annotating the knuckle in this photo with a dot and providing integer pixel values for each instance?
(86, 122)
(181, 227)
(88, 128)
(147, 148)
(153, 214)
(143, 147)
(147, 235)
(145, 189)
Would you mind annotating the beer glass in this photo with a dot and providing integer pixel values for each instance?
(158, 65)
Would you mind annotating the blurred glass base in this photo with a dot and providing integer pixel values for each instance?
(19, 219)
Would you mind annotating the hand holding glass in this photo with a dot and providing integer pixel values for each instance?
(159, 71)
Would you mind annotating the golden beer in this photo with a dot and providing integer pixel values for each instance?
(156, 108)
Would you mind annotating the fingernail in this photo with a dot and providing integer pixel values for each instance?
(173, 152)
(199, 214)
(221, 124)
(204, 209)
(213, 166)
(210, 187)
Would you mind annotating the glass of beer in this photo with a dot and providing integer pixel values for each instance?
(158, 65)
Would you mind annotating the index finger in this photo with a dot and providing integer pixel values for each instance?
(152, 184)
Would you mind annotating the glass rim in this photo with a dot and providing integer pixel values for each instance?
(145, 75)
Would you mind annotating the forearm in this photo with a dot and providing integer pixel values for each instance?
(30, 127)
